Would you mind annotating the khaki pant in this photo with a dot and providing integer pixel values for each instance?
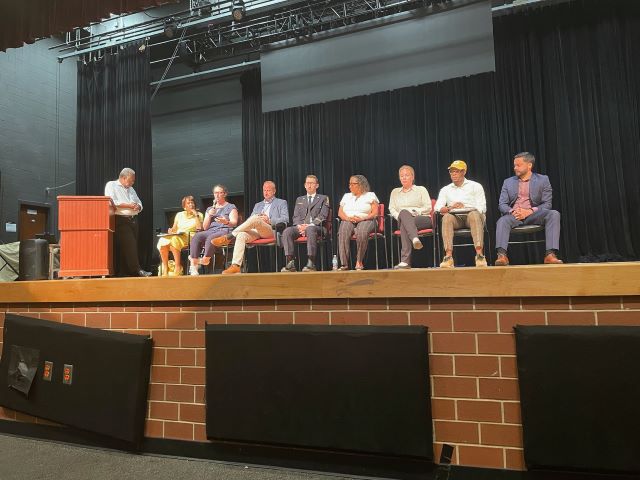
(252, 229)
(473, 220)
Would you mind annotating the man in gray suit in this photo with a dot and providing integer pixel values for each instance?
(310, 212)
(266, 215)
(525, 199)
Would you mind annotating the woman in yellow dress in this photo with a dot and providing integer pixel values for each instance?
(190, 220)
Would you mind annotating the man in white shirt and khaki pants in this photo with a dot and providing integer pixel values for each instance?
(462, 194)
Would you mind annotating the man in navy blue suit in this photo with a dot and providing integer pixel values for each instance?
(266, 215)
(525, 199)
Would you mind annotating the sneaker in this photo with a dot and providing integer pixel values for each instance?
(481, 261)
(193, 271)
(502, 260)
(289, 267)
(447, 262)
(417, 244)
(309, 267)
(402, 266)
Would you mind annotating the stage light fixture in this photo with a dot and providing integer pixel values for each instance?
(237, 10)
(170, 27)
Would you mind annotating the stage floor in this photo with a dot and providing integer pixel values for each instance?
(575, 280)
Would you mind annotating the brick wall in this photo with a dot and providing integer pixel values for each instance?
(472, 355)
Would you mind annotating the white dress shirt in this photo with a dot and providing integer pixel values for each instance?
(470, 194)
(360, 207)
(121, 194)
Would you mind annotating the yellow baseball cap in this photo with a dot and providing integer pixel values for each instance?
(458, 164)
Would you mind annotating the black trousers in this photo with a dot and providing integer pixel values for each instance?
(126, 247)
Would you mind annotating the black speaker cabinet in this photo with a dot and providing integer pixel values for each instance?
(34, 259)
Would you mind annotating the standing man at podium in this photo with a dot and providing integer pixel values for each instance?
(128, 205)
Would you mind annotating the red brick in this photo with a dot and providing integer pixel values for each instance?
(138, 306)
(52, 317)
(454, 387)
(74, 319)
(596, 303)
(475, 322)
(195, 306)
(441, 364)
(473, 456)
(457, 432)
(201, 357)
(192, 413)
(124, 320)
(163, 410)
(628, 317)
(258, 305)
(512, 413)
(499, 388)
(477, 366)
(192, 375)
(113, 307)
(571, 318)
(501, 435)
(453, 343)
(389, 318)
(508, 367)
(508, 320)
(408, 304)
(156, 391)
(98, 320)
(200, 394)
(182, 320)
(514, 459)
(161, 374)
(437, 451)
(165, 307)
(39, 308)
(434, 321)
(180, 393)
(368, 304)
(312, 318)
(178, 430)
(503, 343)
(146, 333)
(349, 318)
(631, 302)
(442, 409)
(18, 307)
(277, 318)
(159, 356)
(293, 305)
(243, 318)
(226, 305)
(546, 303)
(79, 307)
(164, 338)
(479, 411)
(154, 428)
(451, 304)
(330, 304)
(199, 432)
(151, 320)
(7, 414)
(181, 356)
(203, 318)
(497, 303)
(192, 339)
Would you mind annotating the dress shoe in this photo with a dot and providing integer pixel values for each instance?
(551, 258)
(232, 269)
(222, 241)
(309, 267)
(447, 262)
(143, 273)
(502, 260)
(417, 244)
(481, 261)
(289, 267)
(402, 266)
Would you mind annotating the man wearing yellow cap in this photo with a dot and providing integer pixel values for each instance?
(462, 204)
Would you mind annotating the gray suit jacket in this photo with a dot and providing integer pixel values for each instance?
(540, 193)
(318, 210)
(278, 213)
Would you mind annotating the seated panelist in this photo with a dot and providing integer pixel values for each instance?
(189, 220)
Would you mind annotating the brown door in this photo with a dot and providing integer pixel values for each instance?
(33, 220)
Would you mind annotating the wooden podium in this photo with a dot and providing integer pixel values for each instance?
(86, 227)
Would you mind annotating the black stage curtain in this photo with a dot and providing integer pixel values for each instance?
(114, 130)
(566, 88)
(26, 20)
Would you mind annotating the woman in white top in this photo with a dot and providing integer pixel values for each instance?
(358, 212)
(410, 205)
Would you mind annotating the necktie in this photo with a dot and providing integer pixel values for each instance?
(309, 199)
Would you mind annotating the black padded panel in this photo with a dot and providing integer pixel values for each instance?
(580, 395)
(363, 389)
(108, 393)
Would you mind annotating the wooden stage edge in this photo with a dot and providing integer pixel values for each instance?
(575, 280)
